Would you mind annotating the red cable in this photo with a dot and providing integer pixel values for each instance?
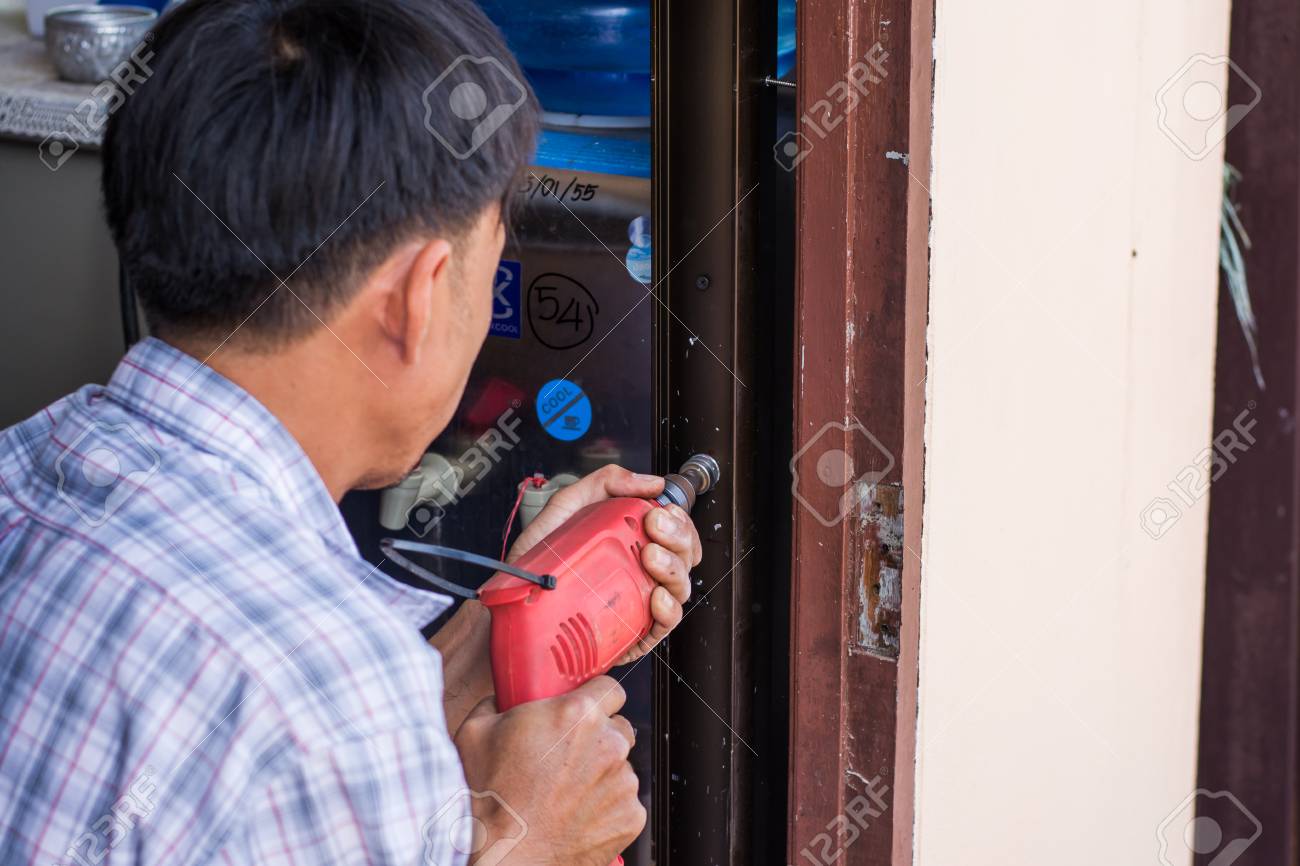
(537, 479)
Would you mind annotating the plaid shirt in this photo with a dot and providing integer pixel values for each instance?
(196, 666)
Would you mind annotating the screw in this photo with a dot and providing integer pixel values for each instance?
(702, 282)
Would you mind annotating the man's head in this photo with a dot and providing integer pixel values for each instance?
(320, 181)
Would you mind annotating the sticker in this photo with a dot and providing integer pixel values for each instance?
(506, 315)
(561, 312)
(564, 410)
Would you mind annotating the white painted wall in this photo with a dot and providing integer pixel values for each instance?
(1070, 380)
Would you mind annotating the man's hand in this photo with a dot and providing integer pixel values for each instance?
(673, 551)
(561, 764)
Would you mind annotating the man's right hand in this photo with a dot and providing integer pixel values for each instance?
(561, 764)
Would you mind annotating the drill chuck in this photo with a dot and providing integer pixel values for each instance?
(699, 474)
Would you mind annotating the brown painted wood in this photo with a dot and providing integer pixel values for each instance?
(916, 306)
(861, 288)
(1249, 722)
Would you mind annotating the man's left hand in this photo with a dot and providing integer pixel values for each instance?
(668, 559)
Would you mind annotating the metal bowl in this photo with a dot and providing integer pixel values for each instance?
(86, 43)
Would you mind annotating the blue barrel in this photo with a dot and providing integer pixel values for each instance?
(581, 57)
(586, 57)
(591, 58)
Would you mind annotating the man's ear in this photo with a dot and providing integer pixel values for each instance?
(420, 297)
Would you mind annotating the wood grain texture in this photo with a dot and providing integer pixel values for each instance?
(859, 319)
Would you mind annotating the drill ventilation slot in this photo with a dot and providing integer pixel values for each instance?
(575, 649)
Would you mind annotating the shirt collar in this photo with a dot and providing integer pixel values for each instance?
(194, 401)
(211, 412)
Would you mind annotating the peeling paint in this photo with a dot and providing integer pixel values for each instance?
(876, 556)
(901, 157)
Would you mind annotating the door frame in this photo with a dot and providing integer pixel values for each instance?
(862, 288)
(773, 664)
(720, 767)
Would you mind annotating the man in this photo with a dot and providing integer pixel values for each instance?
(195, 665)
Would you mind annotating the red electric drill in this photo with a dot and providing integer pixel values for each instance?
(546, 642)
(575, 603)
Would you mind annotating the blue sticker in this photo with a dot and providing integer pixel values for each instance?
(564, 410)
(506, 313)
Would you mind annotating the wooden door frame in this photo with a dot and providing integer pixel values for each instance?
(862, 285)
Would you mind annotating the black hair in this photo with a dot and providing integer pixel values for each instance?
(304, 139)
